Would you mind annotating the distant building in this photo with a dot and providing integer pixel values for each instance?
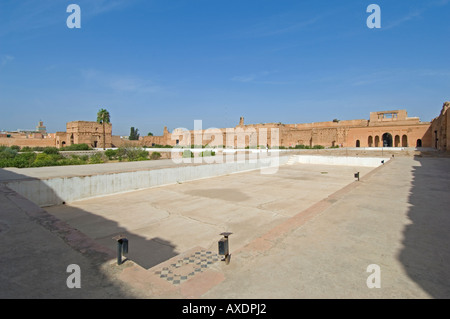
(41, 128)
(86, 132)
(382, 129)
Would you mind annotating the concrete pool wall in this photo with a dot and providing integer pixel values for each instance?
(58, 190)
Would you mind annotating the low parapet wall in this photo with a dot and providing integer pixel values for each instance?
(341, 160)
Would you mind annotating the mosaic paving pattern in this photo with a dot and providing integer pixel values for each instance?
(187, 267)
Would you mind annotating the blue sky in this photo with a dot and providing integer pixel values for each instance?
(170, 62)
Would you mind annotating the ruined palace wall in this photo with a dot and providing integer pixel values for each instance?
(88, 132)
(440, 129)
(368, 136)
(31, 142)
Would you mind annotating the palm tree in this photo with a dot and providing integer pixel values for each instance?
(103, 118)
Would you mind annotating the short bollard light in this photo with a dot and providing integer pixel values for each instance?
(224, 248)
(357, 175)
(122, 247)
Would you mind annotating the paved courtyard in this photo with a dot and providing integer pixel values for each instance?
(162, 222)
(309, 231)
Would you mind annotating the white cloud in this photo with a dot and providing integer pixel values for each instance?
(244, 78)
(250, 77)
(258, 78)
(130, 84)
(416, 13)
(399, 74)
(279, 24)
(120, 83)
(410, 16)
(32, 15)
(5, 59)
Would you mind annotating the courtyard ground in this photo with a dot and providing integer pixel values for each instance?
(309, 231)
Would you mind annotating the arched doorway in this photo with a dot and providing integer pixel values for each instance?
(419, 143)
(387, 140)
(404, 141)
(370, 141)
(397, 141)
(377, 141)
(358, 143)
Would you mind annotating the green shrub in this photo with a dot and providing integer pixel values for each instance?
(207, 153)
(8, 153)
(20, 162)
(131, 154)
(111, 154)
(25, 159)
(6, 162)
(155, 156)
(97, 158)
(16, 148)
(43, 159)
(161, 146)
(77, 147)
(10, 158)
(75, 160)
(136, 154)
(50, 150)
(121, 153)
(307, 147)
(187, 153)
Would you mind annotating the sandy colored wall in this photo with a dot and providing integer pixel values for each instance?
(42, 142)
(440, 129)
(88, 132)
(412, 133)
